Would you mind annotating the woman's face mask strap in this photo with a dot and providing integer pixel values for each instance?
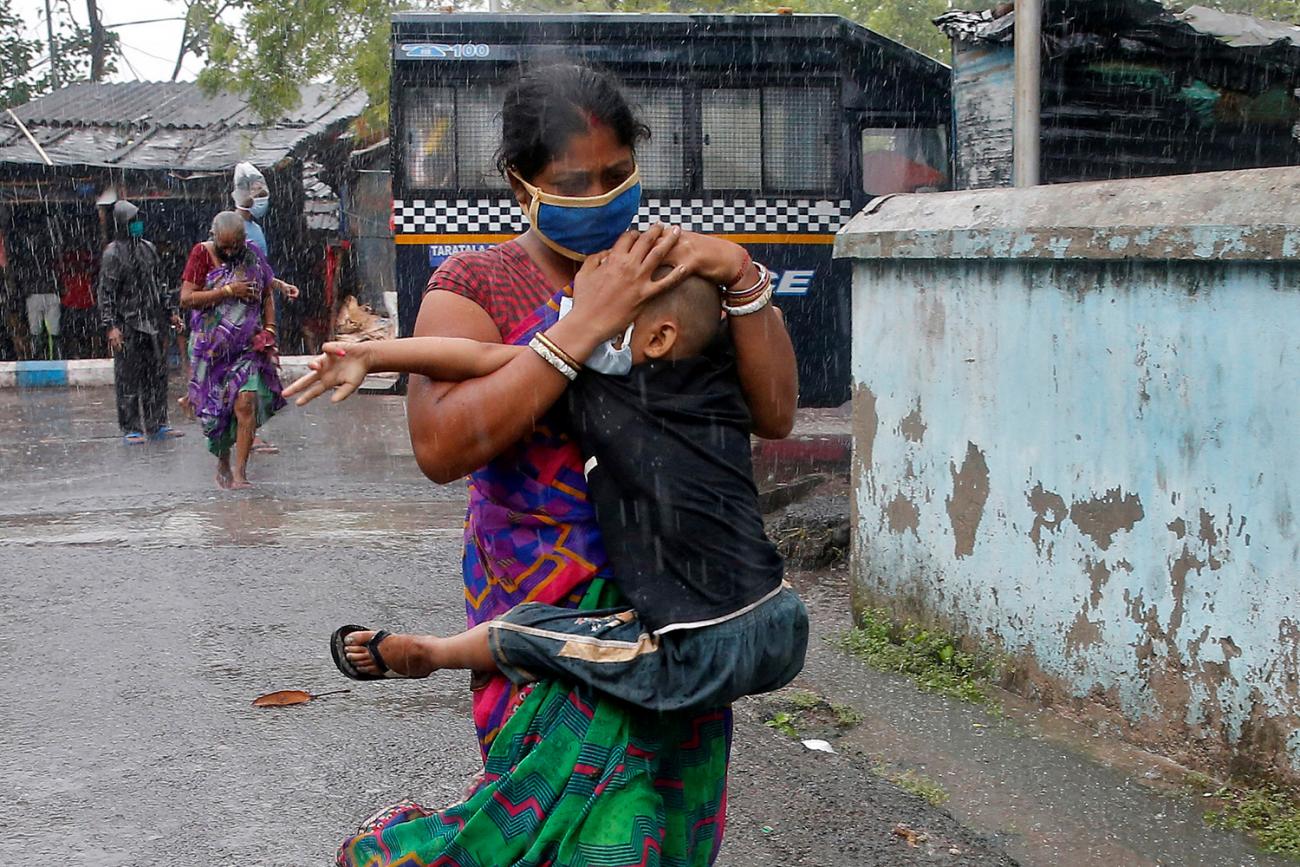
(577, 226)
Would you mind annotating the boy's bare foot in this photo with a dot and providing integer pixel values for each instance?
(225, 478)
(409, 655)
(239, 483)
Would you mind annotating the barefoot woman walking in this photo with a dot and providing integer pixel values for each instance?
(570, 777)
(234, 381)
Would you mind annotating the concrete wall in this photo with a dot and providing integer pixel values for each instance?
(1094, 465)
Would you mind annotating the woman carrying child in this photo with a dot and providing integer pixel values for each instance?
(570, 776)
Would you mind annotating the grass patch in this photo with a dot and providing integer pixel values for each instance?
(930, 658)
(799, 713)
(784, 722)
(921, 786)
(1269, 814)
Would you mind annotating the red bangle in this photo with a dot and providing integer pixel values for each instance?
(740, 275)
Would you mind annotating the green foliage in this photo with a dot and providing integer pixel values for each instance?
(801, 712)
(930, 658)
(26, 71)
(784, 722)
(905, 21)
(282, 44)
(1272, 10)
(1270, 814)
(279, 45)
(921, 786)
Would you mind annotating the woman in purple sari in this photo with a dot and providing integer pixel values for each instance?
(235, 383)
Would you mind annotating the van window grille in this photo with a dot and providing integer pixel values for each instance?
(478, 134)
(800, 138)
(662, 158)
(429, 115)
(732, 125)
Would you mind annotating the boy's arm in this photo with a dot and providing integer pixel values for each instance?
(344, 367)
(442, 359)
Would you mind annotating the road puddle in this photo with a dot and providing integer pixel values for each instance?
(258, 522)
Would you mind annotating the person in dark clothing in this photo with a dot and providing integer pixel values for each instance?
(136, 312)
(665, 438)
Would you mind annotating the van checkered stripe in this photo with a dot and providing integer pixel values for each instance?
(739, 216)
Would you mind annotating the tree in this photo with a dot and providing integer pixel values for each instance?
(26, 68)
(281, 44)
(17, 58)
(905, 21)
(1272, 10)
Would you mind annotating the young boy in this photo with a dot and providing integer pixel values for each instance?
(668, 467)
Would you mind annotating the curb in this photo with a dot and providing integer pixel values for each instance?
(89, 372)
(801, 455)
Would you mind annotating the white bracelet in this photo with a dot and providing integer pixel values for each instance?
(752, 307)
(764, 275)
(552, 359)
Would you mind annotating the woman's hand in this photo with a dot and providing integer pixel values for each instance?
(611, 287)
(242, 289)
(264, 342)
(342, 369)
(715, 259)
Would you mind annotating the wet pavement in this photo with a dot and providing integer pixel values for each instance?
(145, 609)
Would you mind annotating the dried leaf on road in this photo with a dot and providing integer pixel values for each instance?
(289, 697)
(908, 833)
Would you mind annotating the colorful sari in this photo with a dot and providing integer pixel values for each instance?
(570, 778)
(223, 362)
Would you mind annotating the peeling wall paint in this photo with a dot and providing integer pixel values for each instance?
(1094, 465)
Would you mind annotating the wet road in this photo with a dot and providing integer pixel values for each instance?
(145, 609)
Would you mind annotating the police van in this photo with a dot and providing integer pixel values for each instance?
(770, 130)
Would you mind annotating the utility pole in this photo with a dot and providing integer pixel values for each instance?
(1027, 126)
(97, 42)
(54, 47)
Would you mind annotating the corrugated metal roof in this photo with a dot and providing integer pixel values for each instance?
(1236, 31)
(1240, 31)
(165, 125)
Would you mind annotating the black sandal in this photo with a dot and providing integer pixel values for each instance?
(337, 647)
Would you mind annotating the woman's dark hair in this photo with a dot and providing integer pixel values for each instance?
(550, 104)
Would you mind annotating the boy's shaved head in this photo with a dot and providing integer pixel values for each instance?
(694, 305)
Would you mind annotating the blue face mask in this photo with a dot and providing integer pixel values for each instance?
(135, 228)
(577, 226)
(261, 205)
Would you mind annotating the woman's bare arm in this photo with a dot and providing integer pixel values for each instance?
(769, 378)
(194, 296)
(268, 309)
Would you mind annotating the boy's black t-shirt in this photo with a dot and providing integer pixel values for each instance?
(673, 486)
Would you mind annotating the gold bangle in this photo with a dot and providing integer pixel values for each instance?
(555, 347)
(227, 291)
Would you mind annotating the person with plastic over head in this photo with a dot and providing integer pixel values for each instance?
(253, 203)
(135, 311)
